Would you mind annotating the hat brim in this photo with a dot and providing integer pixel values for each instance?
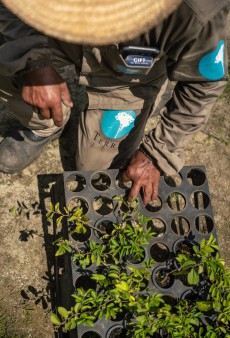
(95, 22)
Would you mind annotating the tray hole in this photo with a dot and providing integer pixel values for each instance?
(196, 177)
(204, 224)
(180, 225)
(82, 250)
(81, 237)
(103, 205)
(101, 181)
(154, 206)
(163, 278)
(157, 226)
(138, 258)
(170, 300)
(76, 203)
(184, 247)
(189, 295)
(119, 316)
(106, 227)
(123, 185)
(86, 283)
(126, 206)
(75, 183)
(116, 332)
(91, 334)
(173, 181)
(176, 201)
(200, 200)
(159, 252)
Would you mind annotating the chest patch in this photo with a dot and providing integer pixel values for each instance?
(117, 123)
(211, 65)
(139, 61)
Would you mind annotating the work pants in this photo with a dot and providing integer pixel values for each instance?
(106, 138)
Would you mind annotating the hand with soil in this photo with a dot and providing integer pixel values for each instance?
(144, 175)
(44, 89)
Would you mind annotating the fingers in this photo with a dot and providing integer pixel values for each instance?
(45, 113)
(57, 115)
(154, 194)
(125, 176)
(147, 194)
(149, 183)
(134, 191)
(65, 95)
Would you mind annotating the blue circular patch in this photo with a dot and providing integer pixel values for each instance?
(117, 123)
(211, 65)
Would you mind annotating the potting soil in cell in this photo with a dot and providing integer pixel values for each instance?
(181, 215)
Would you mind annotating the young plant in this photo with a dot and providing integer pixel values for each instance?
(122, 289)
(126, 241)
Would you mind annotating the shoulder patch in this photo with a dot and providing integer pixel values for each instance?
(211, 65)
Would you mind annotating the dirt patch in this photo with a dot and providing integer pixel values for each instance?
(26, 248)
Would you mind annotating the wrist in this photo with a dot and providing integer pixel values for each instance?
(31, 68)
(151, 158)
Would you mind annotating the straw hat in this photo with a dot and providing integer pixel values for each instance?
(94, 22)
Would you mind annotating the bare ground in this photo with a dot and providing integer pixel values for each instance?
(26, 251)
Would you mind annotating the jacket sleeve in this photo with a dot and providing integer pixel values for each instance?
(23, 49)
(199, 66)
(185, 114)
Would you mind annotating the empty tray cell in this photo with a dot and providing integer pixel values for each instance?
(173, 181)
(75, 183)
(159, 252)
(157, 226)
(176, 201)
(154, 206)
(180, 226)
(101, 181)
(200, 200)
(76, 203)
(196, 177)
(204, 224)
(103, 205)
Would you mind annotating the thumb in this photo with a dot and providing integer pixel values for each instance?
(65, 95)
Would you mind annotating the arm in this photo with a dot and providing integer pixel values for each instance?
(184, 115)
(162, 149)
(31, 58)
(198, 62)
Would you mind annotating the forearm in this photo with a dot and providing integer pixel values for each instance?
(184, 115)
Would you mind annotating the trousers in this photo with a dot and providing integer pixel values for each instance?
(106, 138)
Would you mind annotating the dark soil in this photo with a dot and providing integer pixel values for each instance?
(164, 278)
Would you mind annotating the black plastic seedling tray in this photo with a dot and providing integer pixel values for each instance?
(183, 212)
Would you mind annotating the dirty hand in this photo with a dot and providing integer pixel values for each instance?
(144, 175)
(45, 90)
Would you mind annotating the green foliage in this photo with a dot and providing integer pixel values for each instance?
(123, 288)
(126, 241)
